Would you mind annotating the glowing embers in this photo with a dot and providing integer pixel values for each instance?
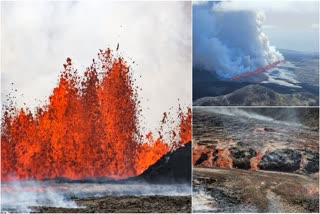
(89, 128)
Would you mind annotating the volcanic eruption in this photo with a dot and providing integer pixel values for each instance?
(230, 43)
(89, 128)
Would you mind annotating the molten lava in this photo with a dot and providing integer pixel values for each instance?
(89, 128)
(223, 159)
(254, 162)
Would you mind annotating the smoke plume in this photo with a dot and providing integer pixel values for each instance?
(230, 42)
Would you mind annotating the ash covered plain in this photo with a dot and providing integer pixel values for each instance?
(255, 159)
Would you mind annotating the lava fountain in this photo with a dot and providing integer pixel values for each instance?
(89, 128)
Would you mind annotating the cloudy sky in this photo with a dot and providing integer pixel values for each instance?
(38, 37)
(288, 24)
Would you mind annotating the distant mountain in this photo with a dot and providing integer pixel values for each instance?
(298, 55)
(258, 95)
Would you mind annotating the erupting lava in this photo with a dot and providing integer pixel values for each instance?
(89, 128)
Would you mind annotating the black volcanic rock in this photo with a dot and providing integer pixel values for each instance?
(312, 165)
(284, 160)
(202, 158)
(269, 129)
(241, 157)
(173, 167)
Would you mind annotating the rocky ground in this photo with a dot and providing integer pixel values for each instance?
(165, 187)
(126, 204)
(244, 139)
(254, 160)
(236, 190)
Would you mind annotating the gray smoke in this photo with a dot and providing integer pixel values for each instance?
(230, 42)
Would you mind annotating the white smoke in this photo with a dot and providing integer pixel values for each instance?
(21, 196)
(282, 76)
(238, 113)
(38, 36)
(243, 113)
(203, 202)
(230, 42)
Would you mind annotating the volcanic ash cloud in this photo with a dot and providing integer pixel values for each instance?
(230, 42)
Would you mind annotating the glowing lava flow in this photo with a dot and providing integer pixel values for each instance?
(257, 71)
(88, 129)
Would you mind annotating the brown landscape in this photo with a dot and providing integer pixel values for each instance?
(255, 160)
(126, 204)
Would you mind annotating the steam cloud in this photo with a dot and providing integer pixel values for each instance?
(288, 117)
(230, 42)
(21, 196)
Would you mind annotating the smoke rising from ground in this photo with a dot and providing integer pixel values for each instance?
(230, 42)
(19, 196)
(202, 201)
(286, 117)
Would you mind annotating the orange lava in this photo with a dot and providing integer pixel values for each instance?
(255, 161)
(89, 128)
(185, 126)
(224, 159)
(198, 151)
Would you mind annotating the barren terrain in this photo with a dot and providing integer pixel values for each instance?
(255, 160)
(126, 204)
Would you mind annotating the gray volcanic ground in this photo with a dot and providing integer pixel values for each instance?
(20, 196)
(164, 187)
(255, 159)
(294, 83)
(236, 190)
